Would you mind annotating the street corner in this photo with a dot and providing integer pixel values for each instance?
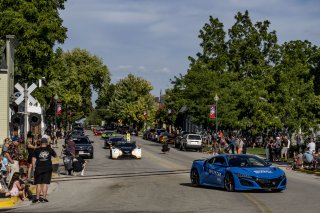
(8, 202)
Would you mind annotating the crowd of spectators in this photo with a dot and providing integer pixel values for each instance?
(15, 178)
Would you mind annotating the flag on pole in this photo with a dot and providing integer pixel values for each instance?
(212, 111)
(59, 108)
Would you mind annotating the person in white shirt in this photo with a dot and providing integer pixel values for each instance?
(285, 148)
(311, 146)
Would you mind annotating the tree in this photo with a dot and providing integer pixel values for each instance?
(38, 27)
(73, 75)
(131, 99)
(261, 85)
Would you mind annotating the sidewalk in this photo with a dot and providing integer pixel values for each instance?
(57, 163)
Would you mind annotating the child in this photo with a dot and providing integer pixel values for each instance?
(16, 189)
(5, 169)
(298, 161)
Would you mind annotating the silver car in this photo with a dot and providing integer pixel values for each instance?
(191, 141)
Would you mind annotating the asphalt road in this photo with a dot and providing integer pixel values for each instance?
(160, 183)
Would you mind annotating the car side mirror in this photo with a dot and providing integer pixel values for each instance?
(269, 164)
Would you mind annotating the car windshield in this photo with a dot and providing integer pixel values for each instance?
(125, 144)
(109, 133)
(116, 139)
(245, 161)
(194, 137)
(81, 141)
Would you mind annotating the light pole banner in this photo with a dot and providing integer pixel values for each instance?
(212, 111)
(59, 108)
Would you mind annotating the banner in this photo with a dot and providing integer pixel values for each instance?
(212, 111)
(59, 108)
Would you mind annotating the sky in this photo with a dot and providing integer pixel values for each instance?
(153, 39)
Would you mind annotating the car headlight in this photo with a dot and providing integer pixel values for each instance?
(239, 175)
(283, 176)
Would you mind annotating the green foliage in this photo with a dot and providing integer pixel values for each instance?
(72, 75)
(38, 27)
(261, 85)
(130, 99)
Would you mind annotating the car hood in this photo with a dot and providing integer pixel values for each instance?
(126, 148)
(83, 144)
(259, 172)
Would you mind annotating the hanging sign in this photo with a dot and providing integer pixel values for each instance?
(212, 112)
(59, 108)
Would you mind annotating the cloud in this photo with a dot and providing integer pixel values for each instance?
(141, 68)
(165, 70)
(123, 67)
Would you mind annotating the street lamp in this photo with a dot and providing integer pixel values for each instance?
(56, 97)
(216, 98)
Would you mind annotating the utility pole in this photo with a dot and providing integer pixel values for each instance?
(216, 98)
(26, 100)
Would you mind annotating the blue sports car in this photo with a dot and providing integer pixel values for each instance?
(237, 172)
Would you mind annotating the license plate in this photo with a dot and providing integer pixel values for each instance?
(81, 152)
(194, 142)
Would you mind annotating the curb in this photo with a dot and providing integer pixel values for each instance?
(9, 202)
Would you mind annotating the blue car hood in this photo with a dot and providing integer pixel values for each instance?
(259, 172)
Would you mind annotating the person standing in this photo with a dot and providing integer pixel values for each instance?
(43, 169)
(311, 146)
(13, 157)
(31, 145)
(285, 148)
(72, 147)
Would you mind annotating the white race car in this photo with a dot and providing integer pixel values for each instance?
(125, 149)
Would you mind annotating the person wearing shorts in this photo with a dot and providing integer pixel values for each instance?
(43, 169)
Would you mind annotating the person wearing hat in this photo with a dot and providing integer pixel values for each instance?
(43, 169)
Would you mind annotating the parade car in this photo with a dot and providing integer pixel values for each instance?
(111, 141)
(107, 134)
(237, 172)
(125, 149)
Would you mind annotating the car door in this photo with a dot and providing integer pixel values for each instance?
(208, 172)
(219, 169)
(215, 171)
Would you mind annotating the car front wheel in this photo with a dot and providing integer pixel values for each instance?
(194, 176)
(229, 182)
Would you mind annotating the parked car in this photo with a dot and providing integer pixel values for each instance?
(149, 134)
(178, 139)
(191, 141)
(158, 133)
(84, 146)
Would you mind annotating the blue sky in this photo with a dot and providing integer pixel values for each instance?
(153, 38)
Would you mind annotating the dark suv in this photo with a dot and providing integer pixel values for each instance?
(84, 146)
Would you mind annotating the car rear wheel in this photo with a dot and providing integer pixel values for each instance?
(91, 156)
(229, 182)
(194, 176)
